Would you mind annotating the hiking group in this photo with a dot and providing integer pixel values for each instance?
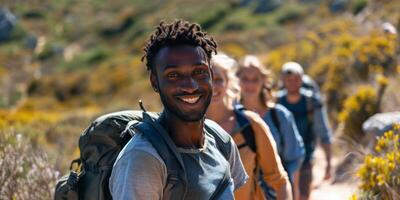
(223, 133)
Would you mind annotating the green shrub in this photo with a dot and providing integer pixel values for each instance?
(87, 59)
(291, 13)
(358, 6)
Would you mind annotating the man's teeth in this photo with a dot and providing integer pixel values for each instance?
(190, 100)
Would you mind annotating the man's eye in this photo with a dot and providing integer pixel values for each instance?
(200, 71)
(172, 75)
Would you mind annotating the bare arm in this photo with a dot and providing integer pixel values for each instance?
(321, 127)
(328, 154)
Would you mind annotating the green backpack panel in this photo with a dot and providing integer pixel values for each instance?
(99, 146)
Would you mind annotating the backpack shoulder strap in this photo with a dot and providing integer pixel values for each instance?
(247, 131)
(276, 122)
(223, 184)
(221, 137)
(275, 119)
(176, 187)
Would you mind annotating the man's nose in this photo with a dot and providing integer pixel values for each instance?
(189, 85)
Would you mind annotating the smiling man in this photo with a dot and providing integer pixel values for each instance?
(178, 57)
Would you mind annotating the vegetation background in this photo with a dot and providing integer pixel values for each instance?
(67, 62)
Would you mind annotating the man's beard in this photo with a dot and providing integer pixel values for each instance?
(187, 117)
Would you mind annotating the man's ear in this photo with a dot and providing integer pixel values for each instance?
(154, 82)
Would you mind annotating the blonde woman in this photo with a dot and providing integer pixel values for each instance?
(257, 96)
(264, 156)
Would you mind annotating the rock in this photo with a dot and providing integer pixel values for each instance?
(389, 28)
(338, 5)
(7, 23)
(380, 123)
(31, 42)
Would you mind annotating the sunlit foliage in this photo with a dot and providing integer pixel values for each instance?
(380, 171)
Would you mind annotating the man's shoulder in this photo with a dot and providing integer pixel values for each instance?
(217, 131)
(223, 140)
(138, 171)
(138, 143)
(281, 93)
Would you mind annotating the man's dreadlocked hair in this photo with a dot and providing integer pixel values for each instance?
(179, 32)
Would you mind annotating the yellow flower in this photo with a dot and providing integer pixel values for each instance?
(390, 156)
(381, 179)
(389, 134)
(396, 126)
(382, 80)
(353, 197)
(391, 166)
(378, 149)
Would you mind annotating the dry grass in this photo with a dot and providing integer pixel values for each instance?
(25, 172)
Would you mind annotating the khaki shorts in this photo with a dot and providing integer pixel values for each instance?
(305, 179)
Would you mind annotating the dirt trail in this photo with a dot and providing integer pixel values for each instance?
(324, 190)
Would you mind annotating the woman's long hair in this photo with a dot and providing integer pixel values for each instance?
(266, 95)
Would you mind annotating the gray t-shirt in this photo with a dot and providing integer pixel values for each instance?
(140, 173)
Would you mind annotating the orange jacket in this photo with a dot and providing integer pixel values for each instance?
(266, 158)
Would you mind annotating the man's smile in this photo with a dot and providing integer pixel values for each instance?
(190, 99)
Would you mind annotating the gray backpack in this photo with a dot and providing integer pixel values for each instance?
(101, 143)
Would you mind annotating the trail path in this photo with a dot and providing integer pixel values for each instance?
(324, 190)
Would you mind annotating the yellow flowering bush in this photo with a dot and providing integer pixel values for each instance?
(380, 172)
(375, 51)
(356, 110)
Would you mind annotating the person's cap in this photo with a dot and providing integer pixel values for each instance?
(292, 68)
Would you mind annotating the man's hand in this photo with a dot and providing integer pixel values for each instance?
(327, 172)
(327, 150)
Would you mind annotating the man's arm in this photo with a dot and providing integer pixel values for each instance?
(321, 127)
(293, 151)
(327, 150)
(137, 175)
(268, 158)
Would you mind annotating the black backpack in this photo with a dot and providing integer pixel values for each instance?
(101, 143)
(246, 129)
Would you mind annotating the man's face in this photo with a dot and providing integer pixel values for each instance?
(184, 81)
(292, 82)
